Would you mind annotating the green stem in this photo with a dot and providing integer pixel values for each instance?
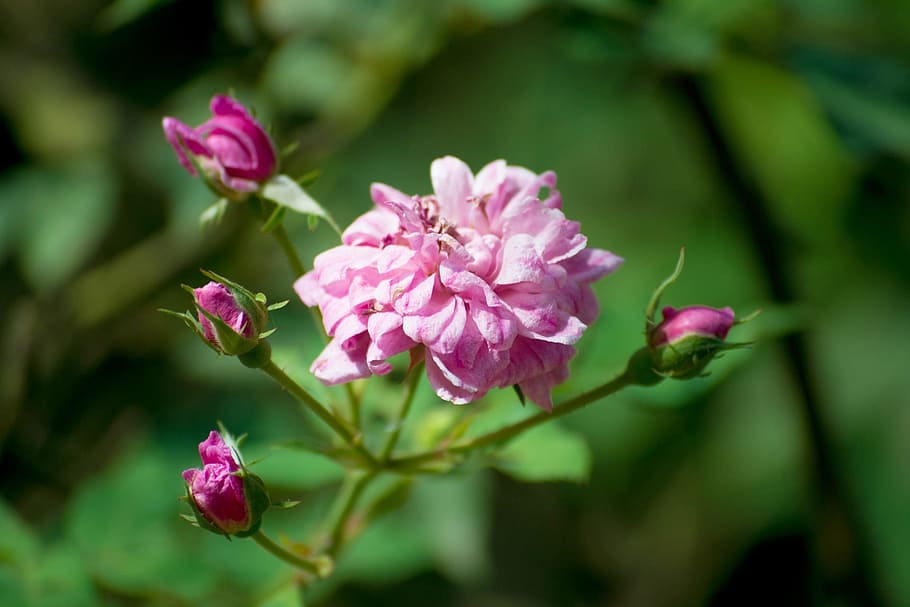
(285, 555)
(297, 267)
(353, 487)
(299, 270)
(290, 252)
(508, 432)
(354, 403)
(351, 436)
(409, 392)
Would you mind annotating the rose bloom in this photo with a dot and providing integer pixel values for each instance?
(231, 147)
(217, 300)
(701, 321)
(491, 281)
(217, 489)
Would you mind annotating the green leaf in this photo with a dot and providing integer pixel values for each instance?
(782, 135)
(284, 191)
(61, 213)
(546, 453)
(455, 517)
(62, 579)
(288, 595)
(17, 543)
(883, 120)
(391, 549)
(125, 525)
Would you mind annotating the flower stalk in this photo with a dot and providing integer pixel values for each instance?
(321, 566)
(351, 490)
(409, 392)
(502, 435)
(353, 437)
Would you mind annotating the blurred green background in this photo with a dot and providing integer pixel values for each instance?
(772, 138)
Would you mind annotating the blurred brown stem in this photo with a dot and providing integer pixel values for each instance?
(836, 514)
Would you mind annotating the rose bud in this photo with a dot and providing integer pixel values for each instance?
(225, 497)
(686, 340)
(233, 151)
(231, 318)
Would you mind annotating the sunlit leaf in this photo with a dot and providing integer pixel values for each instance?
(286, 192)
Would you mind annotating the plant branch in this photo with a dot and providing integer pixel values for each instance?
(351, 436)
(409, 392)
(353, 487)
(290, 252)
(511, 431)
(319, 569)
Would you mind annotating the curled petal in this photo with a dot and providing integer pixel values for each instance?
(486, 276)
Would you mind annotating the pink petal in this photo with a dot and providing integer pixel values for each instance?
(453, 185)
(337, 365)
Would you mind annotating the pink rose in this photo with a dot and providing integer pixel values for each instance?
(232, 148)
(686, 340)
(225, 498)
(490, 280)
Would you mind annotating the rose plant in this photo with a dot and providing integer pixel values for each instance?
(483, 284)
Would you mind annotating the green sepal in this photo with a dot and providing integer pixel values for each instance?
(250, 302)
(257, 357)
(253, 305)
(198, 519)
(687, 357)
(521, 395)
(308, 178)
(193, 323)
(289, 149)
(655, 297)
(257, 501)
(640, 369)
(254, 492)
(230, 342)
(274, 220)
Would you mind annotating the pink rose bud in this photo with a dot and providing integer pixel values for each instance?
(687, 339)
(225, 497)
(232, 149)
(231, 318)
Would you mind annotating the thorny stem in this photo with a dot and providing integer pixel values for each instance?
(351, 436)
(354, 404)
(508, 432)
(299, 269)
(285, 555)
(350, 492)
(290, 252)
(409, 392)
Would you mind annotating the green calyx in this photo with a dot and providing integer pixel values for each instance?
(687, 357)
(257, 500)
(255, 307)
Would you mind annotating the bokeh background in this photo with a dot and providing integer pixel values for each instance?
(771, 137)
